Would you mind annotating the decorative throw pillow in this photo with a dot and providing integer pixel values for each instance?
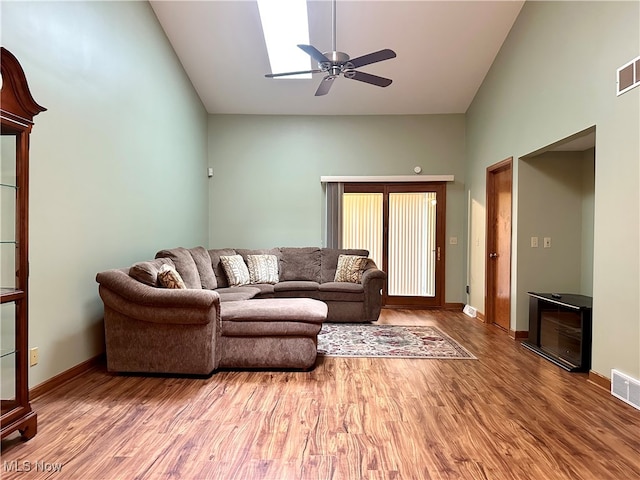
(236, 270)
(350, 268)
(263, 269)
(147, 272)
(168, 277)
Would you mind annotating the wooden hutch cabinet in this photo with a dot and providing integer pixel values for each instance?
(17, 109)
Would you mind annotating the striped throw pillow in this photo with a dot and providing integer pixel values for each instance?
(168, 277)
(350, 268)
(263, 269)
(235, 269)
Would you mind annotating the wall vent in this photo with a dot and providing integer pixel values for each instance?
(625, 388)
(470, 311)
(628, 76)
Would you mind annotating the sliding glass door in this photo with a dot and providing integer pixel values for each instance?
(402, 226)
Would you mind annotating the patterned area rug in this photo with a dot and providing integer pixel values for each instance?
(365, 340)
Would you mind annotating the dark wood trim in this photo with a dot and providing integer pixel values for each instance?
(506, 164)
(55, 382)
(447, 306)
(599, 380)
(453, 306)
(413, 307)
(519, 334)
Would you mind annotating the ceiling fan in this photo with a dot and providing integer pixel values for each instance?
(335, 63)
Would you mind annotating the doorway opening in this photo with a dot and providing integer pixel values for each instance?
(556, 203)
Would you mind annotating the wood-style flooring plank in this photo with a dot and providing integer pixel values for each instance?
(510, 414)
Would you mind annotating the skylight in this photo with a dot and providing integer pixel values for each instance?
(285, 25)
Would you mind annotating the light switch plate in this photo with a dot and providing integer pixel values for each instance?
(534, 242)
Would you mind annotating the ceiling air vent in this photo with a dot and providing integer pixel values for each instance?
(625, 388)
(629, 76)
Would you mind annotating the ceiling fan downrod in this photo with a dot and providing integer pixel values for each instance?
(333, 19)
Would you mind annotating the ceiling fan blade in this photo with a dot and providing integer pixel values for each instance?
(372, 79)
(325, 85)
(314, 53)
(374, 57)
(273, 75)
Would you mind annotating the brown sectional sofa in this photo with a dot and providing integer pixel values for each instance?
(210, 325)
(307, 272)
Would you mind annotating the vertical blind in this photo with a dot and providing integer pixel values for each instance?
(412, 244)
(412, 237)
(362, 223)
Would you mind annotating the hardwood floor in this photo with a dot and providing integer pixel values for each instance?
(508, 415)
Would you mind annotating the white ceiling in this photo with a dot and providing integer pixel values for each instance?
(444, 50)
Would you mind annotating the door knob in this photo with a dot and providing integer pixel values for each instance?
(493, 255)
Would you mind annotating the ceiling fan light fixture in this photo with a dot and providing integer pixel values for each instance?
(335, 63)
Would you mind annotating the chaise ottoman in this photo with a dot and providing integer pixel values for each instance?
(270, 333)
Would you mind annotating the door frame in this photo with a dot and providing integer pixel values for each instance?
(504, 165)
(437, 301)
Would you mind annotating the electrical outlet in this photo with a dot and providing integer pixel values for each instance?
(547, 242)
(33, 356)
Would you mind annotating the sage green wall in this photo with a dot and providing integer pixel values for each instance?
(118, 161)
(266, 188)
(555, 76)
(588, 203)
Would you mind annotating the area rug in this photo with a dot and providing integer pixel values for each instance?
(366, 340)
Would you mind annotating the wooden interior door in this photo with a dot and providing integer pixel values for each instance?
(498, 260)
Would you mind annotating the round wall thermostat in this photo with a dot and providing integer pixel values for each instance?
(417, 169)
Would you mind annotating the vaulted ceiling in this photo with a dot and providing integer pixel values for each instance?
(444, 50)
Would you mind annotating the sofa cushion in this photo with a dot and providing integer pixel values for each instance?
(340, 292)
(235, 269)
(215, 254)
(329, 261)
(266, 289)
(168, 277)
(300, 264)
(205, 270)
(185, 265)
(274, 310)
(263, 268)
(296, 286)
(147, 272)
(232, 294)
(350, 268)
(245, 252)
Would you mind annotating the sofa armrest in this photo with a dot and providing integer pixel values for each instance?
(371, 274)
(157, 305)
(373, 281)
